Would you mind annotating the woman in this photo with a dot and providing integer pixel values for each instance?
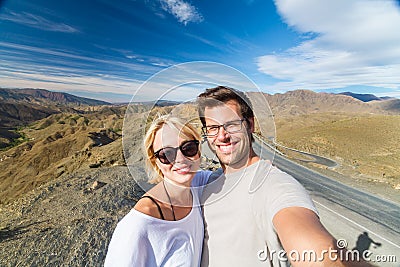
(165, 227)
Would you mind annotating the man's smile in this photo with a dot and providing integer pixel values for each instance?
(226, 147)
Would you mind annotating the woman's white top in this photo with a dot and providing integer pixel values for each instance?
(142, 240)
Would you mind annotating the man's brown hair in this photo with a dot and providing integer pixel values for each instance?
(220, 95)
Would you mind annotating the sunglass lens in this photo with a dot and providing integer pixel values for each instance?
(190, 148)
(167, 155)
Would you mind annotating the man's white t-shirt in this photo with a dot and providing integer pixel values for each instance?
(142, 240)
(238, 211)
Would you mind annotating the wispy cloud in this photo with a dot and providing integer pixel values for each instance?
(390, 94)
(249, 2)
(352, 42)
(71, 58)
(35, 21)
(185, 81)
(23, 66)
(182, 10)
(151, 60)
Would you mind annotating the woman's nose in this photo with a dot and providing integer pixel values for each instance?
(179, 156)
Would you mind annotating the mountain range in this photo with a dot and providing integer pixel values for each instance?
(21, 106)
(41, 96)
(301, 102)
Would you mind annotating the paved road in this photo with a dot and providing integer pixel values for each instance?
(347, 212)
(313, 158)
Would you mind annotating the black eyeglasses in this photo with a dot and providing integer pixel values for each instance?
(167, 155)
(230, 127)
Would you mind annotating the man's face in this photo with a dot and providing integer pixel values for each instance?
(232, 149)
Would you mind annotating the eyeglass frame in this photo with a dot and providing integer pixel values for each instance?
(204, 128)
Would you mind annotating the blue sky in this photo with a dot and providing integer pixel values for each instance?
(107, 49)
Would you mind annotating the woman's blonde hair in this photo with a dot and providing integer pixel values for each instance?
(185, 129)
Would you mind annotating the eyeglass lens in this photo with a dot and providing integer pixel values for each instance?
(230, 127)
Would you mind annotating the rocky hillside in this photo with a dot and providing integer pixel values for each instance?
(68, 221)
(18, 114)
(64, 191)
(23, 106)
(20, 107)
(366, 147)
(60, 144)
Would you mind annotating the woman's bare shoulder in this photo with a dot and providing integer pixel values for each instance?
(147, 206)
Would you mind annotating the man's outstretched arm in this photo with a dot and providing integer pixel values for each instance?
(302, 234)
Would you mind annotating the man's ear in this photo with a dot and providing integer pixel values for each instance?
(251, 124)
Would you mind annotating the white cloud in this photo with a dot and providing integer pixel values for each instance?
(36, 21)
(182, 10)
(355, 42)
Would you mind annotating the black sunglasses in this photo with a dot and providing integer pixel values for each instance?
(167, 155)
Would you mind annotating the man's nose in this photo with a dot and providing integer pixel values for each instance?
(222, 133)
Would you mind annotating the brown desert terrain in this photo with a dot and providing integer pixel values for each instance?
(65, 183)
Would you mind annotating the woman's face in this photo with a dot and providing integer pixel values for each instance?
(183, 169)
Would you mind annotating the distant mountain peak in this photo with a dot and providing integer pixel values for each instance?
(42, 95)
(364, 97)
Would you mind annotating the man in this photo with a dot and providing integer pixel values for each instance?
(249, 224)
